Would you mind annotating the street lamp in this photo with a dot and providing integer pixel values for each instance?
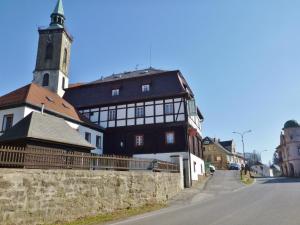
(260, 152)
(242, 136)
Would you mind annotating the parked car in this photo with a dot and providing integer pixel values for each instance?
(234, 166)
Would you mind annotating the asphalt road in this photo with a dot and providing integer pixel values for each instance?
(272, 201)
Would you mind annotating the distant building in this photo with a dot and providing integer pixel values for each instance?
(220, 153)
(252, 158)
(216, 154)
(289, 149)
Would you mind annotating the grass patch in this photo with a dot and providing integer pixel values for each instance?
(247, 179)
(117, 215)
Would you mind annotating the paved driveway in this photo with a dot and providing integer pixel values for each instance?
(227, 202)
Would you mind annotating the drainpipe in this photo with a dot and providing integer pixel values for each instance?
(188, 140)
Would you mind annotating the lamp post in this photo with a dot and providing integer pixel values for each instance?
(260, 152)
(242, 134)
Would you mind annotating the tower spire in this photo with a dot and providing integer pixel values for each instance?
(57, 16)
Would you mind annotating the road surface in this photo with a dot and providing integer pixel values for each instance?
(224, 201)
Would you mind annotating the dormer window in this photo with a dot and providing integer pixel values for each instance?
(115, 92)
(146, 88)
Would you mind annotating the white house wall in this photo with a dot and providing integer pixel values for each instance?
(21, 112)
(198, 170)
(18, 114)
(197, 167)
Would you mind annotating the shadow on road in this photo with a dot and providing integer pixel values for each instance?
(281, 180)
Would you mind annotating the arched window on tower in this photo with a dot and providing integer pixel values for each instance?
(65, 59)
(49, 51)
(46, 80)
(63, 83)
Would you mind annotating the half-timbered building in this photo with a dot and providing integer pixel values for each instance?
(146, 113)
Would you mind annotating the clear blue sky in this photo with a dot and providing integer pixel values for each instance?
(241, 58)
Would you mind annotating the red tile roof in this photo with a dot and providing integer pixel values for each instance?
(36, 95)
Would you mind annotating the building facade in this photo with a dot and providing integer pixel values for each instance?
(289, 149)
(147, 113)
(216, 154)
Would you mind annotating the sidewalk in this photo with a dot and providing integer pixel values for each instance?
(189, 195)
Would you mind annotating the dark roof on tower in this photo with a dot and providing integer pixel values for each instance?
(291, 124)
(34, 95)
(45, 128)
(163, 84)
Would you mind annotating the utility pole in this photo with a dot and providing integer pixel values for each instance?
(242, 134)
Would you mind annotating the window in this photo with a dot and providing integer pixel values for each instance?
(63, 83)
(7, 122)
(115, 92)
(170, 138)
(88, 137)
(112, 114)
(192, 109)
(169, 108)
(46, 80)
(49, 51)
(139, 140)
(65, 60)
(98, 141)
(195, 166)
(139, 112)
(146, 88)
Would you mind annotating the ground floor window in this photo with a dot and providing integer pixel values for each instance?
(170, 138)
(7, 122)
(98, 141)
(88, 137)
(139, 140)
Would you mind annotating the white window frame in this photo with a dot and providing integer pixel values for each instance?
(139, 112)
(170, 138)
(112, 113)
(88, 137)
(169, 108)
(115, 92)
(145, 87)
(98, 141)
(139, 140)
(4, 121)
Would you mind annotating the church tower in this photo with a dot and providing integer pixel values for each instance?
(53, 55)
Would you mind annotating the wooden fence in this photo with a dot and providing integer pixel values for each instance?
(44, 158)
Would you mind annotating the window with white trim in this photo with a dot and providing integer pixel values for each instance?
(169, 109)
(115, 92)
(139, 111)
(146, 88)
(88, 137)
(139, 140)
(112, 114)
(7, 122)
(98, 141)
(170, 138)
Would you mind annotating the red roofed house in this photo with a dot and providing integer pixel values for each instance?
(49, 83)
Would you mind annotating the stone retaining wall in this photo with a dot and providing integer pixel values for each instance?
(47, 196)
